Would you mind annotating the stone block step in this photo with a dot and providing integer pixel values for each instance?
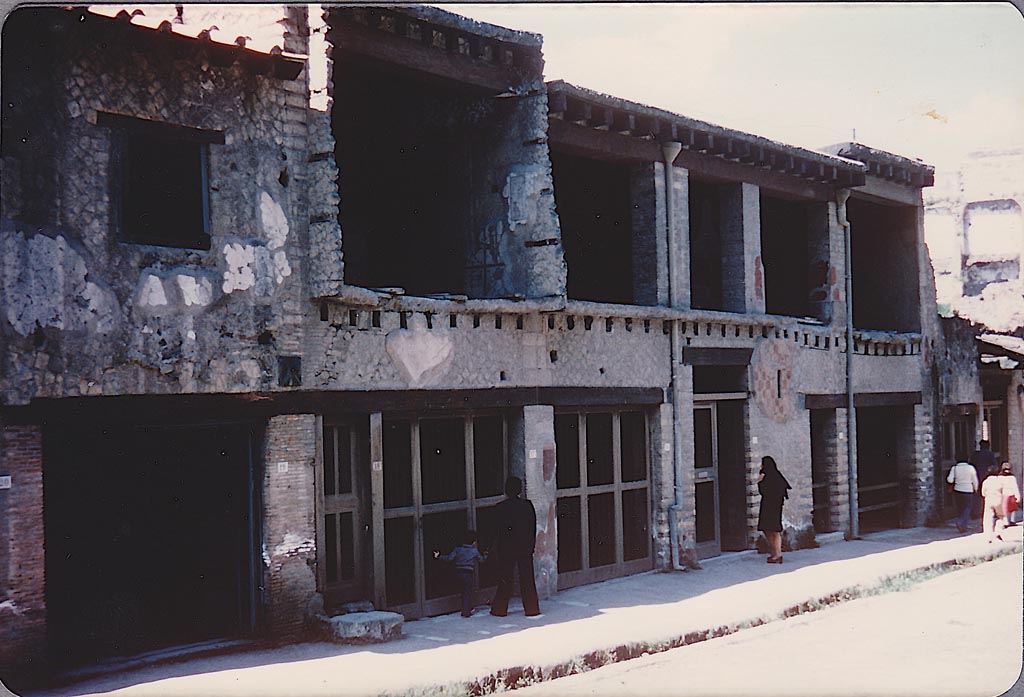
(363, 627)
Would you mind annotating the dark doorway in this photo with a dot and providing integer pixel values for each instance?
(720, 487)
(882, 434)
(593, 203)
(150, 534)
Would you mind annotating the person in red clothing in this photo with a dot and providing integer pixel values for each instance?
(516, 539)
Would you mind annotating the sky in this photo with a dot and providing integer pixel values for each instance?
(932, 81)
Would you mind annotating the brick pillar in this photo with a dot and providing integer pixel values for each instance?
(289, 532)
(22, 559)
(686, 518)
(822, 272)
(650, 244)
(662, 483)
(916, 474)
(533, 459)
(680, 234)
(742, 268)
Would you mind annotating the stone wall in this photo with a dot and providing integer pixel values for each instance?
(86, 313)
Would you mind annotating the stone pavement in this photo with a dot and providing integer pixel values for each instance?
(580, 628)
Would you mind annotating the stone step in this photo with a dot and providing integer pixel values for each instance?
(362, 627)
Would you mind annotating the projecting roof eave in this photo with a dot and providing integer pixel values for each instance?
(886, 165)
(276, 62)
(604, 112)
(1000, 345)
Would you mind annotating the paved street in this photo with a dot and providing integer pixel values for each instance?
(915, 642)
(602, 623)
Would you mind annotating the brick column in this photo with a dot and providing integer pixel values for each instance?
(22, 559)
(686, 518)
(742, 268)
(533, 459)
(650, 244)
(662, 483)
(916, 473)
(289, 531)
(823, 273)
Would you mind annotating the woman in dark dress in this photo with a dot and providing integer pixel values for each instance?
(774, 489)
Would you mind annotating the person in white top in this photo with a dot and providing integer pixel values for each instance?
(965, 483)
(999, 485)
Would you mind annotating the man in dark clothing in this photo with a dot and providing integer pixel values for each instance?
(516, 538)
(983, 460)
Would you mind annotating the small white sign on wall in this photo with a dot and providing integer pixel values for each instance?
(533, 454)
(378, 466)
(5, 482)
(282, 467)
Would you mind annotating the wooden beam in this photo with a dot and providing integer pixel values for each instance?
(614, 147)
(351, 38)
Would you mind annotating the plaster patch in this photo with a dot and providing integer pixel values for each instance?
(11, 606)
(293, 545)
(420, 353)
(239, 274)
(275, 224)
(151, 292)
(521, 188)
(195, 291)
(282, 270)
(43, 283)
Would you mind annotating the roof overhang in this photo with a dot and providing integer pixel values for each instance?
(886, 165)
(275, 63)
(600, 112)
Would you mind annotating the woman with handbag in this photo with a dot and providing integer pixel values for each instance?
(995, 490)
(1011, 502)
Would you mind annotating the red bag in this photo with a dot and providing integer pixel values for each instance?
(1011, 504)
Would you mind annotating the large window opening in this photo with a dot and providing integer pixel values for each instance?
(884, 266)
(785, 253)
(420, 205)
(706, 246)
(160, 180)
(593, 203)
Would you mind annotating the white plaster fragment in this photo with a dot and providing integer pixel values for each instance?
(275, 224)
(420, 353)
(195, 291)
(292, 545)
(12, 607)
(151, 292)
(239, 274)
(282, 270)
(191, 334)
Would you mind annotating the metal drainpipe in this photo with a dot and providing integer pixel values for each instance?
(853, 531)
(669, 152)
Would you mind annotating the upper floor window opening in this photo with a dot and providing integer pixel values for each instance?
(159, 185)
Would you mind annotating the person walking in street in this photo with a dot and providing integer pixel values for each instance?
(997, 487)
(516, 539)
(984, 461)
(774, 489)
(1011, 504)
(965, 484)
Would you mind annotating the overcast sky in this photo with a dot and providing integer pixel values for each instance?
(929, 80)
